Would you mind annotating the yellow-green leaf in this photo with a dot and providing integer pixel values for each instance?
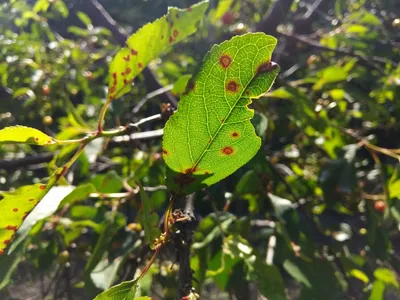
(27, 135)
(16, 205)
(148, 43)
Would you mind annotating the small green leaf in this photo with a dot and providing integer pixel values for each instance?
(359, 275)
(148, 42)
(107, 183)
(84, 18)
(180, 85)
(80, 193)
(123, 291)
(149, 219)
(27, 135)
(386, 276)
(296, 273)
(211, 136)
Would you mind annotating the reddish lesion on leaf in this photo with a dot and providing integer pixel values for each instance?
(225, 60)
(191, 170)
(235, 134)
(6, 242)
(165, 152)
(140, 65)
(12, 228)
(134, 52)
(15, 209)
(42, 187)
(232, 86)
(228, 150)
(175, 33)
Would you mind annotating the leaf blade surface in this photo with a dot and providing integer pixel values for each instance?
(210, 136)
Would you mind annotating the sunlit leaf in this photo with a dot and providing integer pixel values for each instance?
(148, 43)
(211, 136)
(15, 206)
(27, 135)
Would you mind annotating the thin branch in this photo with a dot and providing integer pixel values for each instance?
(151, 95)
(183, 242)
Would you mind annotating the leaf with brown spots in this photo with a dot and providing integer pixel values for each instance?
(148, 43)
(16, 205)
(27, 135)
(211, 136)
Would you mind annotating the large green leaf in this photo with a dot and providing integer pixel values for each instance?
(211, 136)
(148, 43)
(27, 135)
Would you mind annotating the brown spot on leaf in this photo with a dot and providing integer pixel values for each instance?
(127, 71)
(112, 89)
(134, 52)
(175, 33)
(206, 173)
(36, 139)
(235, 134)
(127, 58)
(171, 39)
(225, 61)
(267, 67)
(140, 65)
(6, 242)
(31, 200)
(125, 81)
(227, 150)
(15, 209)
(114, 75)
(42, 187)
(232, 86)
(24, 216)
(13, 228)
(165, 152)
(190, 170)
